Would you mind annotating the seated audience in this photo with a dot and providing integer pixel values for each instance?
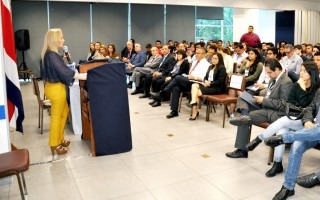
(301, 95)
(265, 108)
(163, 70)
(138, 59)
(112, 53)
(213, 83)
(251, 68)
(239, 55)
(183, 84)
(303, 140)
(316, 59)
(91, 49)
(139, 72)
(309, 50)
(96, 51)
(102, 53)
(181, 66)
(291, 63)
(128, 51)
(227, 60)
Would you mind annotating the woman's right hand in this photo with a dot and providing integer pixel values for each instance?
(81, 76)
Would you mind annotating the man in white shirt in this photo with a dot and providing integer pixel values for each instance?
(239, 54)
(183, 83)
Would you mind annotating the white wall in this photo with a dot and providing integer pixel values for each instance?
(263, 22)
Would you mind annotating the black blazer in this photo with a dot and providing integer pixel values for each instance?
(167, 65)
(219, 78)
(184, 69)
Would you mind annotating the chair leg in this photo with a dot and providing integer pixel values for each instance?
(39, 117)
(271, 153)
(20, 187)
(213, 107)
(224, 115)
(208, 110)
(180, 101)
(227, 110)
(24, 184)
(41, 131)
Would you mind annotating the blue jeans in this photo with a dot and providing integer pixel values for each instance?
(302, 141)
(279, 127)
(310, 134)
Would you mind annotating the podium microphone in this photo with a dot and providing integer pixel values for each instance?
(66, 53)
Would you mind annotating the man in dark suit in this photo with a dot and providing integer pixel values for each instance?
(277, 91)
(164, 69)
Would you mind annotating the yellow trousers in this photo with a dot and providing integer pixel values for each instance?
(56, 93)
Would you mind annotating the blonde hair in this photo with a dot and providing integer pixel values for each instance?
(51, 41)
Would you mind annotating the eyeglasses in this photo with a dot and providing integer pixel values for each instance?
(269, 53)
(199, 53)
(287, 52)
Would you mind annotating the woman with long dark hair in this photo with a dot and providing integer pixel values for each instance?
(251, 68)
(213, 83)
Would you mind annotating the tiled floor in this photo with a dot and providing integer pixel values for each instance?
(189, 165)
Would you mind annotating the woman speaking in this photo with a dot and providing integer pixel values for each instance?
(57, 76)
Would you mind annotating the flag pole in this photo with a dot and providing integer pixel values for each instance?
(4, 125)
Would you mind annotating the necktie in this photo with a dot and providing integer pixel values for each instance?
(194, 67)
(162, 60)
(272, 84)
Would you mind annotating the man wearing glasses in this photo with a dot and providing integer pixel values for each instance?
(291, 62)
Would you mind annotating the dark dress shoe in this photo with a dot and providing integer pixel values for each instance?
(144, 96)
(275, 169)
(172, 114)
(237, 154)
(156, 104)
(135, 92)
(241, 120)
(129, 85)
(308, 181)
(274, 141)
(283, 194)
(152, 102)
(253, 144)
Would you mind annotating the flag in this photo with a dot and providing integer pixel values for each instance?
(14, 97)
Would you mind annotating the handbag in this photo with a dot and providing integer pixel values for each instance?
(294, 112)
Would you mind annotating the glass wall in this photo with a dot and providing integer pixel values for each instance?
(216, 29)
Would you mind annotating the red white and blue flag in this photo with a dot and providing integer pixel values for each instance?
(14, 97)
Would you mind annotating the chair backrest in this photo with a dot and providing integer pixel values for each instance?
(36, 90)
(237, 82)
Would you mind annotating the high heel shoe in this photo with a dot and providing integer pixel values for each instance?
(65, 143)
(191, 119)
(59, 149)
